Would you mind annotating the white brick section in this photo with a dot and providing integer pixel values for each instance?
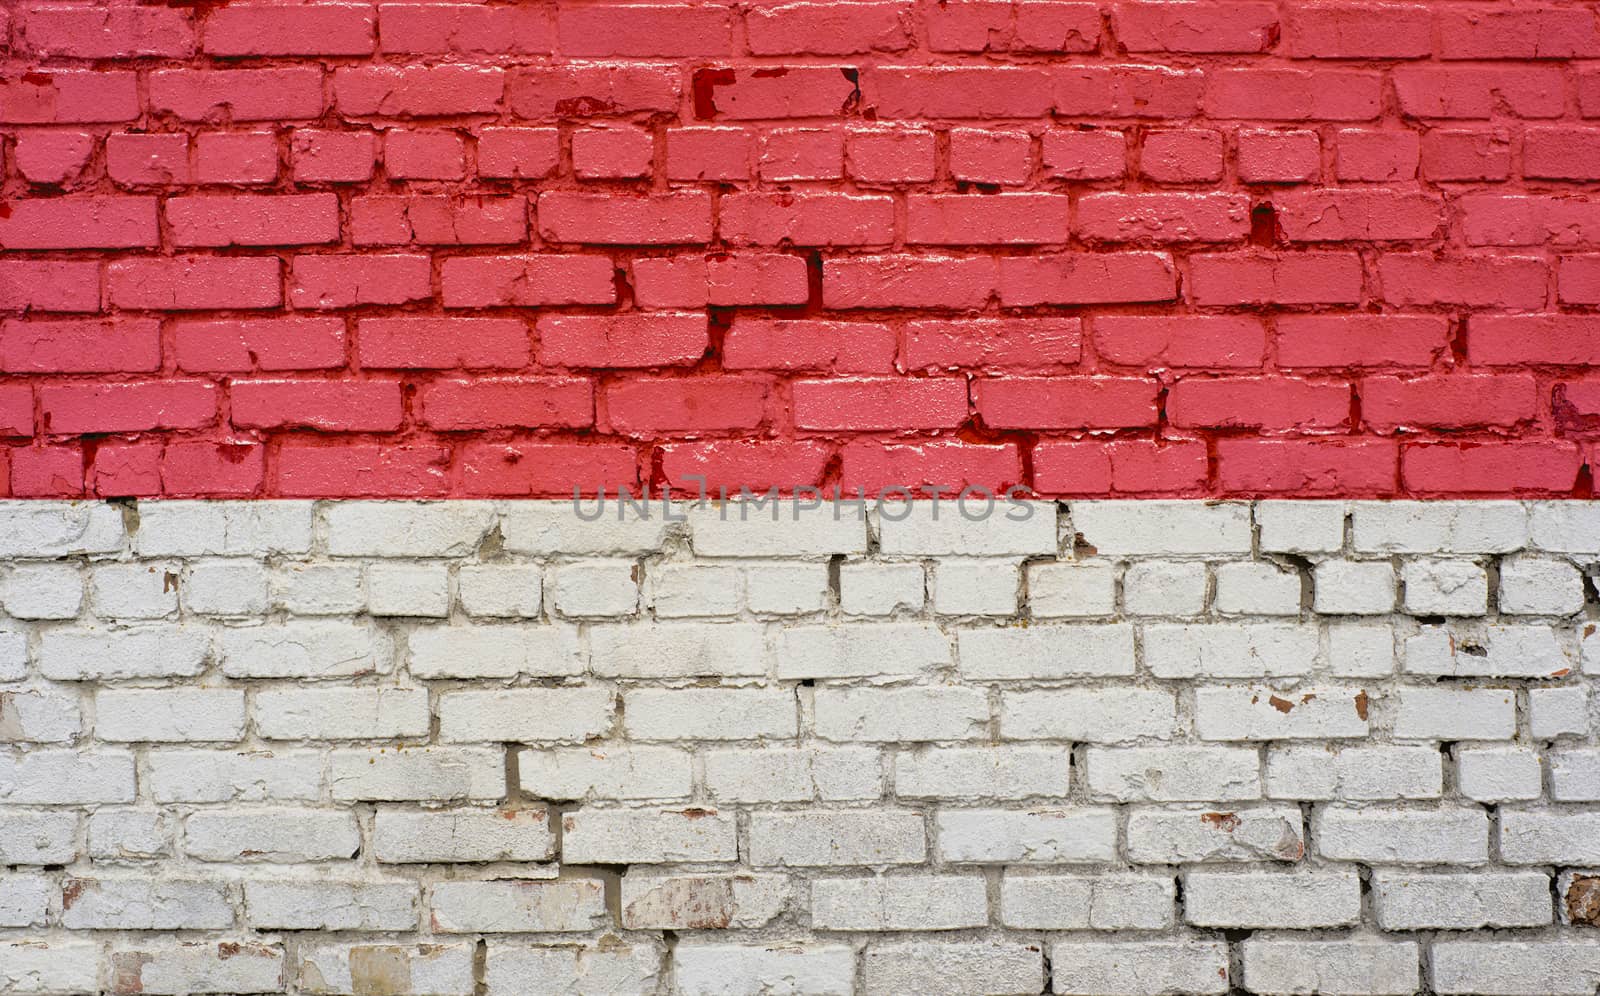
(1120, 747)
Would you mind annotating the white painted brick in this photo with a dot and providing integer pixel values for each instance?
(1256, 712)
(748, 529)
(965, 587)
(234, 776)
(129, 834)
(771, 774)
(1363, 966)
(900, 902)
(58, 528)
(44, 716)
(1557, 967)
(1145, 528)
(1360, 650)
(38, 966)
(1039, 836)
(368, 713)
(1100, 715)
(1533, 586)
(1561, 837)
(1257, 589)
(1353, 587)
(1414, 900)
(1164, 588)
(276, 835)
(424, 774)
(1071, 588)
(1456, 714)
(493, 651)
(169, 714)
(1301, 526)
(605, 772)
(1357, 774)
(982, 773)
(682, 591)
(517, 906)
(142, 590)
(13, 655)
(42, 591)
(63, 777)
(1100, 901)
(407, 970)
(942, 968)
(733, 970)
(226, 588)
(408, 590)
(596, 588)
(647, 836)
(1557, 712)
(1224, 650)
(285, 904)
(1291, 900)
(1565, 526)
(37, 837)
(1139, 968)
(1498, 774)
(1047, 651)
(305, 650)
(1449, 835)
(903, 714)
(500, 590)
(1174, 774)
(869, 588)
(663, 901)
(543, 528)
(222, 528)
(862, 650)
(786, 589)
(524, 970)
(1489, 651)
(525, 715)
(1445, 588)
(937, 528)
(144, 904)
(1575, 775)
(103, 653)
(710, 713)
(817, 837)
(406, 529)
(25, 900)
(677, 650)
(1183, 836)
(405, 836)
(318, 589)
(164, 968)
(1429, 527)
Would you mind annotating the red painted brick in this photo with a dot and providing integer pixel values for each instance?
(710, 153)
(1279, 156)
(71, 96)
(148, 160)
(743, 463)
(636, 340)
(1070, 468)
(823, 219)
(1356, 468)
(978, 219)
(52, 157)
(488, 281)
(242, 344)
(981, 155)
(424, 154)
(253, 220)
(1452, 401)
(545, 470)
(658, 219)
(222, 468)
(1275, 278)
(127, 407)
(612, 153)
(1065, 402)
(1357, 215)
(957, 92)
(1375, 156)
(80, 223)
(195, 283)
(1528, 220)
(1513, 340)
(908, 281)
(1460, 469)
(361, 470)
(661, 29)
(465, 29)
(16, 410)
(318, 282)
(1529, 33)
(302, 29)
(596, 89)
(418, 91)
(794, 154)
(1561, 153)
(1478, 92)
(85, 345)
(721, 280)
(1118, 217)
(1042, 345)
(49, 285)
(1193, 156)
(108, 32)
(430, 342)
(1196, 27)
(1515, 283)
(124, 469)
(1360, 31)
(829, 28)
(292, 93)
(880, 403)
(326, 405)
(518, 153)
(1294, 94)
(1087, 278)
(944, 464)
(1578, 279)
(436, 219)
(1085, 155)
(802, 344)
(700, 404)
(1361, 340)
(1155, 341)
(236, 157)
(1459, 155)
(502, 403)
(47, 472)
(1128, 91)
(1270, 403)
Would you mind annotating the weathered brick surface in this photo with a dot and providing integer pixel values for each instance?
(473, 747)
(1084, 248)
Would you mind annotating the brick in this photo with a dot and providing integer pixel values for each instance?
(1369, 31)
(463, 28)
(1145, 967)
(418, 91)
(72, 96)
(318, 29)
(1164, 27)
(79, 223)
(253, 220)
(1365, 965)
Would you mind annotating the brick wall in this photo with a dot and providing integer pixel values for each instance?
(1242, 248)
(485, 749)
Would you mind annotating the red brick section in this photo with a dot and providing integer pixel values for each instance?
(1128, 248)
